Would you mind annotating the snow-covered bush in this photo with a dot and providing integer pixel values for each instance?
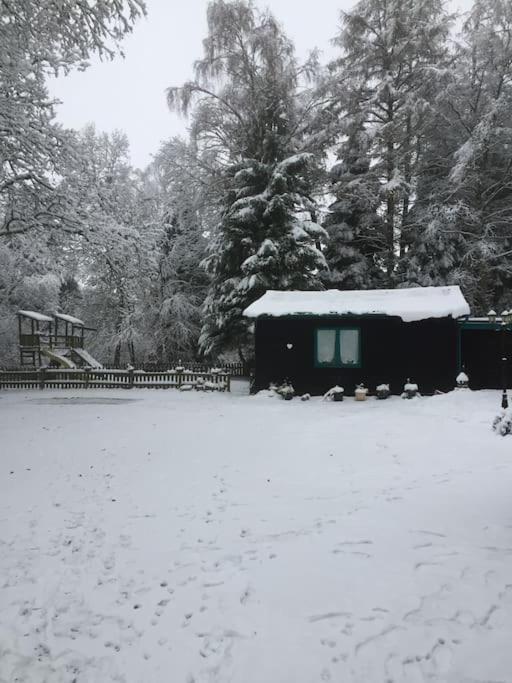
(502, 423)
(410, 390)
(382, 391)
(286, 391)
(335, 393)
(305, 397)
(462, 381)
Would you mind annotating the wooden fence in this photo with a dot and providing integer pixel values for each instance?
(234, 369)
(45, 378)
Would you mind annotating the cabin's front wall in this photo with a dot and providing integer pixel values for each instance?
(391, 351)
(482, 348)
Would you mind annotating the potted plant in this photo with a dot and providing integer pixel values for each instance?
(361, 392)
(382, 391)
(410, 389)
(462, 381)
(286, 391)
(336, 393)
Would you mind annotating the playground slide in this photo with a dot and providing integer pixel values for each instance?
(89, 361)
(59, 358)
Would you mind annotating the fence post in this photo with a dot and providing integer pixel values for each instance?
(42, 377)
(130, 377)
(87, 373)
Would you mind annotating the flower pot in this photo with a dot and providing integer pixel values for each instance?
(382, 391)
(361, 394)
(462, 381)
(410, 390)
(337, 396)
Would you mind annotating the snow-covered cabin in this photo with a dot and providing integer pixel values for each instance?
(319, 339)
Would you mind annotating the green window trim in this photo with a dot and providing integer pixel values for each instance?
(337, 362)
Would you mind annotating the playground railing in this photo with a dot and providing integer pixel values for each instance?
(45, 378)
(66, 341)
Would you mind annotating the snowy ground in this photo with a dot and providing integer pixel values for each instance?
(190, 538)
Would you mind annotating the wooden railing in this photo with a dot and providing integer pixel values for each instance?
(30, 340)
(66, 341)
(233, 369)
(52, 341)
(113, 379)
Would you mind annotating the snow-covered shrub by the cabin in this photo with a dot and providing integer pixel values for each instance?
(502, 423)
(410, 390)
(382, 391)
(286, 391)
(335, 393)
(462, 381)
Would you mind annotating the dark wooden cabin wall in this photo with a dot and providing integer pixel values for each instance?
(481, 357)
(392, 351)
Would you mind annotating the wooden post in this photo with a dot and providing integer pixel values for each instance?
(34, 335)
(42, 377)
(131, 373)
(19, 335)
(87, 374)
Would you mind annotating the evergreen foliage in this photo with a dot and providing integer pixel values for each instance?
(389, 167)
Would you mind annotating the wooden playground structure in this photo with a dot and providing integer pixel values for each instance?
(54, 341)
(52, 355)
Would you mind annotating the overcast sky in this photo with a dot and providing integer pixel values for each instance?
(129, 94)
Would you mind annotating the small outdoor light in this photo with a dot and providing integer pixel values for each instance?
(492, 316)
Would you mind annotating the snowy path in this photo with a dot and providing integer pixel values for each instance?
(185, 538)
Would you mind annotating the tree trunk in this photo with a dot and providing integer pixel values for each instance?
(408, 179)
(131, 349)
(117, 355)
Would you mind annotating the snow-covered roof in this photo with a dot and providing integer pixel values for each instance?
(69, 319)
(36, 316)
(416, 303)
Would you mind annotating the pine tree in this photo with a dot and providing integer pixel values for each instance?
(463, 209)
(251, 111)
(261, 244)
(394, 56)
(356, 240)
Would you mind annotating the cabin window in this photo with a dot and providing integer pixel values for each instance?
(338, 347)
